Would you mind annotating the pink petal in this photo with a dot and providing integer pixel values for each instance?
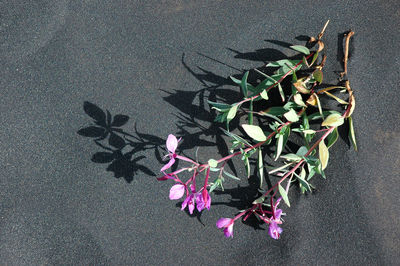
(199, 202)
(223, 222)
(191, 205)
(278, 213)
(229, 231)
(168, 165)
(176, 191)
(274, 230)
(185, 202)
(172, 143)
(208, 204)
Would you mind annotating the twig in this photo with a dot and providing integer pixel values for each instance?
(346, 53)
(323, 30)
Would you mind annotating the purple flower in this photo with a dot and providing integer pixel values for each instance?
(176, 191)
(189, 201)
(172, 144)
(274, 230)
(203, 200)
(227, 224)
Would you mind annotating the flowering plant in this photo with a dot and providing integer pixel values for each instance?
(300, 108)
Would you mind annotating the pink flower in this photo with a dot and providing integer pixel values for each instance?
(176, 191)
(227, 224)
(172, 144)
(203, 200)
(274, 230)
(189, 201)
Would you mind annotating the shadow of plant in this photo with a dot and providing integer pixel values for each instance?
(119, 147)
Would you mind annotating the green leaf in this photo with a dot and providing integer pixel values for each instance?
(301, 49)
(260, 166)
(255, 132)
(352, 135)
(323, 154)
(213, 163)
(265, 84)
(284, 195)
(291, 157)
(237, 81)
(314, 58)
(302, 180)
(318, 75)
(236, 137)
(216, 184)
(264, 95)
(243, 84)
(231, 113)
(316, 116)
(299, 100)
(247, 166)
(302, 151)
(281, 93)
(289, 105)
(319, 105)
(309, 131)
(280, 168)
(332, 138)
(276, 111)
(221, 117)
(333, 120)
(279, 147)
(291, 116)
(282, 140)
(222, 107)
(231, 176)
(259, 200)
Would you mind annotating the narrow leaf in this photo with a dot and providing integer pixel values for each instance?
(260, 166)
(352, 135)
(323, 154)
(243, 84)
(336, 98)
(332, 138)
(291, 157)
(222, 107)
(279, 147)
(231, 176)
(319, 106)
(281, 92)
(284, 195)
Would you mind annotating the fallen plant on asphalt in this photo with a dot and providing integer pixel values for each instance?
(300, 107)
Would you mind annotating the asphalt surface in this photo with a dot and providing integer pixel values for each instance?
(65, 199)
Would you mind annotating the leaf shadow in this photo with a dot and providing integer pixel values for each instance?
(119, 148)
